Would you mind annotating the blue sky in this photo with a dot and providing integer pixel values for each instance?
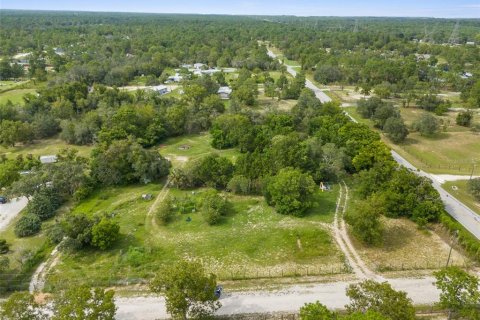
(409, 8)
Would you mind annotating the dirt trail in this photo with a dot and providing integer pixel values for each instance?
(39, 276)
(340, 234)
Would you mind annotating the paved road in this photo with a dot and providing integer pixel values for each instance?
(463, 214)
(9, 211)
(318, 93)
(460, 212)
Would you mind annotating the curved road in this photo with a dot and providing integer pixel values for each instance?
(463, 214)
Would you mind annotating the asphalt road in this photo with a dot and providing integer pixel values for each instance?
(9, 211)
(463, 214)
(318, 93)
(460, 212)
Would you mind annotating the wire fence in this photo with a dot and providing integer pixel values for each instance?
(297, 271)
(427, 265)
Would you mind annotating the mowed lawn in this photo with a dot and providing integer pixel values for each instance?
(15, 96)
(459, 189)
(252, 240)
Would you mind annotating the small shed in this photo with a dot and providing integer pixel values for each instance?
(161, 89)
(48, 159)
(224, 93)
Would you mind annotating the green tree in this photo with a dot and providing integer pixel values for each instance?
(44, 203)
(427, 124)
(188, 290)
(464, 118)
(460, 293)
(381, 298)
(316, 311)
(395, 129)
(290, 192)
(165, 211)
(474, 188)
(214, 206)
(28, 225)
(21, 306)
(84, 303)
(365, 220)
(105, 233)
(9, 173)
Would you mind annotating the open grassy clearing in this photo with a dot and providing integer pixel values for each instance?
(43, 147)
(405, 247)
(459, 190)
(449, 152)
(15, 95)
(181, 149)
(251, 238)
(7, 84)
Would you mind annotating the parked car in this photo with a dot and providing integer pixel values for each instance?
(3, 199)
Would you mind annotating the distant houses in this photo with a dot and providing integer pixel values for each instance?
(224, 93)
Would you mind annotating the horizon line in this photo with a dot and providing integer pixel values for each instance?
(240, 15)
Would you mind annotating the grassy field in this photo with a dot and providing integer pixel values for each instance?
(450, 152)
(459, 190)
(405, 247)
(43, 147)
(181, 149)
(15, 96)
(252, 240)
(7, 85)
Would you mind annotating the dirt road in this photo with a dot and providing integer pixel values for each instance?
(422, 291)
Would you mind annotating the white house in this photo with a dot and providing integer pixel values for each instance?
(161, 89)
(175, 78)
(48, 159)
(224, 93)
(198, 65)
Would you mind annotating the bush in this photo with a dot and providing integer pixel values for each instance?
(165, 211)
(105, 233)
(467, 240)
(44, 203)
(290, 192)
(28, 225)
(464, 118)
(365, 221)
(214, 206)
(395, 129)
(4, 246)
(427, 124)
(474, 188)
(239, 185)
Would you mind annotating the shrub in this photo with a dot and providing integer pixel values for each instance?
(44, 203)
(28, 225)
(4, 246)
(214, 206)
(165, 211)
(239, 185)
(427, 124)
(464, 118)
(105, 233)
(474, 188)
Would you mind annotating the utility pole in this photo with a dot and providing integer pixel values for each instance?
(473, 169)
(455, 234)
